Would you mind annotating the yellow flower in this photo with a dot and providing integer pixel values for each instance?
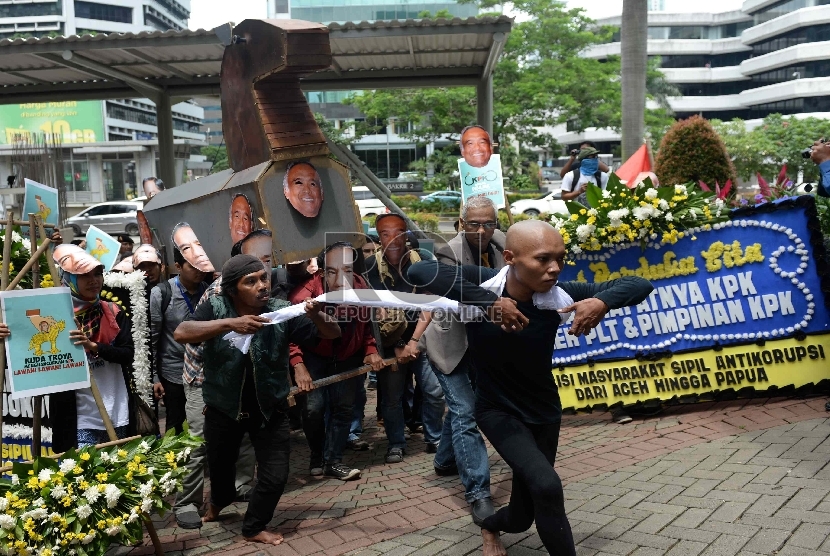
(77, 470)
(574, 217)
(101, 477)
(122, 453)
(85, 456)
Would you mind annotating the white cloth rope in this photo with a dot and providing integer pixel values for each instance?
(554, 299)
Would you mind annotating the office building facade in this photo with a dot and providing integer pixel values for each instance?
(769, 57)
(108, 146)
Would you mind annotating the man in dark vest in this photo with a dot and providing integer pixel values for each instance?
(247, 392)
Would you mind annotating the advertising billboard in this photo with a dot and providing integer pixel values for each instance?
(73, 121)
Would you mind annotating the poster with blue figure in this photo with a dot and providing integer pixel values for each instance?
(42, 201)
(41, 357)
(485, 180)
(103, 247)
(754, 278)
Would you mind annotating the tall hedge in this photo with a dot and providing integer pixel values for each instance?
(691, 151)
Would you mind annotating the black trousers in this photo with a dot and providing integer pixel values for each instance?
(174, 402)
(271, 447)
(530, 451)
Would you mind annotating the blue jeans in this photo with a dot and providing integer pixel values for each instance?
(461, 443)
(432, 406)
(391, 384)
(328, 440)
(359, 406)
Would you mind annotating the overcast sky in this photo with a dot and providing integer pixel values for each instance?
(207, 14)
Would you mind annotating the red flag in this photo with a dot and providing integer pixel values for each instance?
(634, 166)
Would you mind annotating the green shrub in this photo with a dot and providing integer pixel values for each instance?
(691, 151)
(428, 222)
(405, 201)
(521, 181)
(504, 223)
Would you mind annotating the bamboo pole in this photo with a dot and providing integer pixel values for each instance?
(390, 362)
(49, 261)
(4, 222)
(507, 209)
(4, 281)
(33, 235)
(105, 417)
(37, 401)
(151, 530)
(28, 266)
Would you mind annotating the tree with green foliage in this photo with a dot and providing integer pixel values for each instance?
(691, 151)
(218, 156)
(779, 140)
(540, 79)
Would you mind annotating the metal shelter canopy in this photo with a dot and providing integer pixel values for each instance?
(182, 64)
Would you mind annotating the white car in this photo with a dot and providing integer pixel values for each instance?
(112, 217)
(550, 203)
(369, 205)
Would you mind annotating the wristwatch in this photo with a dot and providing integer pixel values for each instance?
(401, 344)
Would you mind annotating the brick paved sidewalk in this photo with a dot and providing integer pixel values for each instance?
(639, 474)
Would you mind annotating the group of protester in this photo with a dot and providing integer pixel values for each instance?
(470, 377)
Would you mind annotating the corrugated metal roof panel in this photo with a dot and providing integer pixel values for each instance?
(174, 58)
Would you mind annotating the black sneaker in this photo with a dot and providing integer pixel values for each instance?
(342, 472)
(315, 466)
(620, 416)
(189, 519)
(357, 445)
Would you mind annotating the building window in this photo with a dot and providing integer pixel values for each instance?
(702, 61)
(103, 12)
(30, 10)
(281, 6)
(801, 71)
(76, 175)
(190, 127)
(785, 7)
(713, 89)
(129, 114)
(814, 33)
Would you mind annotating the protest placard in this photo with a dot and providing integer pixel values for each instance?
(42, 201)
(41, 357)
(102, 246)
(486, 180)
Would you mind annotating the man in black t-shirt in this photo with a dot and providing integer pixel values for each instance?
(247, 392)
(517, 402)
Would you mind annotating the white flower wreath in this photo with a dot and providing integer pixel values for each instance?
(134, 283)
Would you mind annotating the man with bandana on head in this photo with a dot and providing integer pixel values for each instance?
(246, 393)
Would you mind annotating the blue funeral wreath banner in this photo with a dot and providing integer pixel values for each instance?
(739, 303)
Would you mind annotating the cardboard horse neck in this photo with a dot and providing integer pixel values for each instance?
(265, 115)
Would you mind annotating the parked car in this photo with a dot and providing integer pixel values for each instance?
(369, 205)
(112, 217)
(448, 199)
(550, 203)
